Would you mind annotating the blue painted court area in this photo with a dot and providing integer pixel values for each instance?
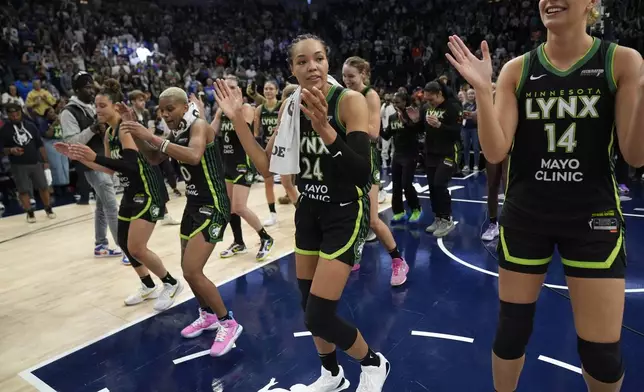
(451, 290)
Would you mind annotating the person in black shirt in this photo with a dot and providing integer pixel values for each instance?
(442, 117)
(560, 110)
(405, 136)
(20, 140)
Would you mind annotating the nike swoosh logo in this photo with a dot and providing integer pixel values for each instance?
(337, 154)
(532, 77)
(345, 204)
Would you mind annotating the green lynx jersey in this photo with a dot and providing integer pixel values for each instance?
(205, 185)
(561, 162)
(321, 178)
(141, 181)
(268, 121)
(234, 153)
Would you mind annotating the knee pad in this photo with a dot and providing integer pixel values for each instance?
(322, 321)
(305, 289)
(514, 330)
(602, 361)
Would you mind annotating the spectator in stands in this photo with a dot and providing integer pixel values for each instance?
(78, 121)
(23, 85)
(12, 96)
(20, 140)
(39, 99)
(137, 99)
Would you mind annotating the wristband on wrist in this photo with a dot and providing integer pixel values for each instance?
(164, 145)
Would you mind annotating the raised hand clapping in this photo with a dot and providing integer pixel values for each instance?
(478, 73)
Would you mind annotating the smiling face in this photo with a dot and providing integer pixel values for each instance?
(270, 90)
(351, 77)
(557, 14)
(104, 108)
(309, 63)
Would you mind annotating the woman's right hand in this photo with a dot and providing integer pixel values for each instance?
(478, 73)
(413, 113)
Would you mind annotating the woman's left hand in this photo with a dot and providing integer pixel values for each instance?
(316, 108)
(81, 152)
(126, 113)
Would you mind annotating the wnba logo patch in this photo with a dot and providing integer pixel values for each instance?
(214, 230)
(358, 248)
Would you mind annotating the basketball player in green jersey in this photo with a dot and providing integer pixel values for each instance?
(355, 74)
(560, 109)
(142, 203)
(332, 217)
(240, 175)
(264, 125)
(207, 211)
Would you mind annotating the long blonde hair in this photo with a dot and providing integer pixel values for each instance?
(594, 15)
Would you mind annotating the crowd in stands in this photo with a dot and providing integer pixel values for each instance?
(149, 47)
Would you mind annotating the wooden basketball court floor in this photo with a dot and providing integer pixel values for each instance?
(56, 295)
(63, 325)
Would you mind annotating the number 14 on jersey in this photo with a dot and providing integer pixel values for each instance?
(566, 141)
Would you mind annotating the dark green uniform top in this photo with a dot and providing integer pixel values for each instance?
(321, 178)
(234, 153)
(143, 180)
(205, 185)
(561, 162)
(268, 121)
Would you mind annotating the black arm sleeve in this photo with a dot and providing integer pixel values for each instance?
(354, 156)
(453, 120)
(127, 164)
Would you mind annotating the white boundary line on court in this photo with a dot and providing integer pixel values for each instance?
(41, 386)
(193, 356)
(104, 390)
(556, 362)
(452, 256)
(442, 336)
(28, 375)
(301, 334)
(453, 178)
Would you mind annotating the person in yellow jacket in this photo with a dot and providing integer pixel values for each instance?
(39, 99)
